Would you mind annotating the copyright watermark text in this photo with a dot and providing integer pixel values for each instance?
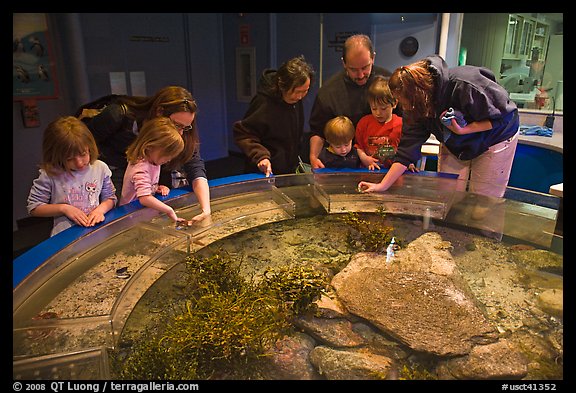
(100, 387)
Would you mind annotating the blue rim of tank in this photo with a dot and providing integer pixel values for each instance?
(27, 262)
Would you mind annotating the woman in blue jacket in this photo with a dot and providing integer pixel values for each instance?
(478, 141)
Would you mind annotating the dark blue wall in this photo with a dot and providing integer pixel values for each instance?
(111, 44)
(258, 28)
(171, 49)
(299, 34)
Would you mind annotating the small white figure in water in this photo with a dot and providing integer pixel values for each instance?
(390, 251)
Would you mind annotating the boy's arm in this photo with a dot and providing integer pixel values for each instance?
(363, 156)
(368, 161)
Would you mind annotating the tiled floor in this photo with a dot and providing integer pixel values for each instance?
(33, 230)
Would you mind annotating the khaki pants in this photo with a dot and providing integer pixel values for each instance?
(485, 178)
(487, 174)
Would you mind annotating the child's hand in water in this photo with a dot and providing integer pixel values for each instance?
(182, 223)
(199, 217)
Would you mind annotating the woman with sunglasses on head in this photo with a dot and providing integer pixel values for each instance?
(116, 126)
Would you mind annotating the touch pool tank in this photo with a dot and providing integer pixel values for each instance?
(73, 294)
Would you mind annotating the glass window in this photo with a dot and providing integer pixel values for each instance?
(525, 52)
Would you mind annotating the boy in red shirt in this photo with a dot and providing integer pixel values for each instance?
(378, 134)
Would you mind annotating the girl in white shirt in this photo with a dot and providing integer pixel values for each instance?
(74, 186)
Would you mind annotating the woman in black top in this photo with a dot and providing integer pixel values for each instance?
(117, 125)
(270, 134)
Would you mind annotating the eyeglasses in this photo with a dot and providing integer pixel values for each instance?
(182, 127)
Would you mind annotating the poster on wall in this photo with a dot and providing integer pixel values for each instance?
(33, 71)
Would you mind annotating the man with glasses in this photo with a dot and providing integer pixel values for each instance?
(344, 94)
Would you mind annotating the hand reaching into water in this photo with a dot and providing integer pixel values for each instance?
(367, 187)
(204, 216)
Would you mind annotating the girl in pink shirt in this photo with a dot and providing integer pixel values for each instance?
(157, 143)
